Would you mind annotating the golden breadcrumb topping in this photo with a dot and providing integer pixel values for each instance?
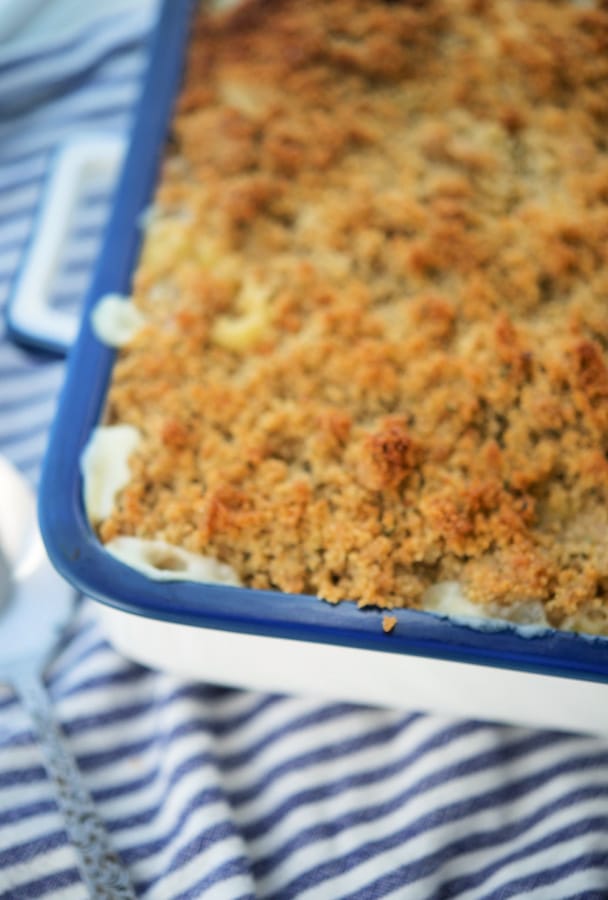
(375, 280)
(389, 624)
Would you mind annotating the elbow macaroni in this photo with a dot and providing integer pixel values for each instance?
(240, 332)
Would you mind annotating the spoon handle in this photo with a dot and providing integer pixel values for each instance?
(100, 865)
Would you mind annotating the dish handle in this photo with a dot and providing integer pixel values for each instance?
(31, 317)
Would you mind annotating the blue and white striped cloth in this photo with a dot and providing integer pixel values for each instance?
(210, 792)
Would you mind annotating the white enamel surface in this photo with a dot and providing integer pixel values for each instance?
(115, 320)
(166, 562)
(105, 467)
(371, 677)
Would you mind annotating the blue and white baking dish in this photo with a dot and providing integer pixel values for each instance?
(267, 640)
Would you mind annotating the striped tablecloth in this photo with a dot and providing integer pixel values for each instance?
(210, 792)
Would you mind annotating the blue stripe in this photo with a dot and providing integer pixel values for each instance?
(120, 68)
(7, 275)
(16, 739)
(89, 232)
(24, 88)
(100, 759)
(568, 832)
(13, 777)
(21, 149)
(318, 716)
(473, 842)
(60, 49)
(13, 201)
(37, 403)
(325, 753)
(110, 679)
(326, 790)
(98, 646)
(26, 811)
(208, 837)
(186, 767)
(13, 246)
(440, 816)
(114, 112)
(74, 294)
(590, 895)
(7, 702)
(30, 470)
(69, 299)
(20, 369)
(27, 850)
(83, 253)
(117, 118)
(197, 724)
(580, 863)
(12, 405)
(113, 78)
(92, 198)
(134, 711)
(132, 672)
(45, 148)
(18, 177)
(205, 797)
(361, 741)
(23, 434)
(29, 473)
(68, 303)
(33, 890)
(29, 175)
(238, 865)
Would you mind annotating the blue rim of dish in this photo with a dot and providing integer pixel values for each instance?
(80, 558)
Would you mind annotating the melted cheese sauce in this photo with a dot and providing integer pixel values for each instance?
(166, 562)
(105, 470)
(105, 467)
(115, 320)
(448, 599)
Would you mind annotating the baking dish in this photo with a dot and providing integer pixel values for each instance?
(266, 640)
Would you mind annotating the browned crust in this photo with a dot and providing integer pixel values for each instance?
(389, 623)
(420, 190)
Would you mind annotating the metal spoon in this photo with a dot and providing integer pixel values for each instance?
(35, 606)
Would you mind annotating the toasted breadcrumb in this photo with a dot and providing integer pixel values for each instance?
(376, 295)
(388, 624)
